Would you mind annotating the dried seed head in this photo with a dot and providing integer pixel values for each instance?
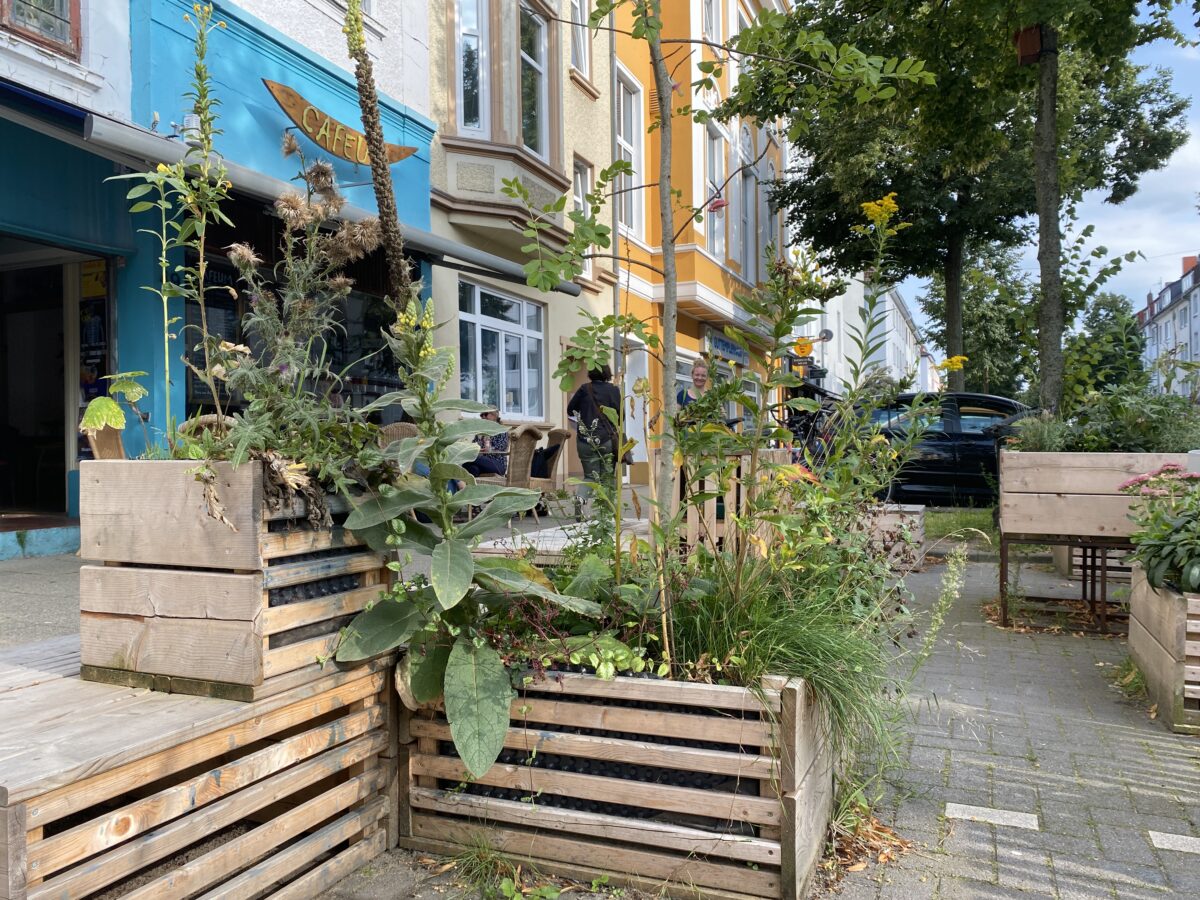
(296, 212)
(291, 146)
(340, 284)
(320, 176)
(243, 256)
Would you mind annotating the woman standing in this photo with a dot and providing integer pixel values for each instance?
(596, 436)
(689, 395)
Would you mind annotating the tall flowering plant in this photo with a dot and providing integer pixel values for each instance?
(1167, 542)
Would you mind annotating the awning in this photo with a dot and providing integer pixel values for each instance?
(137, 147)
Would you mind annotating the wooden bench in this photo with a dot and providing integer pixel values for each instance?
(143, 794)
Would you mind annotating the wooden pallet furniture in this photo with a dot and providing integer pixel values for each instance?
(180, 601)
(139, 794)
(710, 522)
(1164, 641)
(1071, 500)
(691, 790)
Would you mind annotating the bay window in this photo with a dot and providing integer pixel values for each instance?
(534, 84)
(501, 344)
(472, 66)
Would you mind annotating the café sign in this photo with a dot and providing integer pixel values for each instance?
(720, 345)
(327, 132)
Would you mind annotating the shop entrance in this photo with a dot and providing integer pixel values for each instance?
(53, 355)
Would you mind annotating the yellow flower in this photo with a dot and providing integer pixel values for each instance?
(162, 169)
(953, 364)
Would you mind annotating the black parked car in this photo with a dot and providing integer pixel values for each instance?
(955, 463)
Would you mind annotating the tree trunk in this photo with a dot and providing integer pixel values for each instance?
(1046, 182)
(952, 275)
(670, 315)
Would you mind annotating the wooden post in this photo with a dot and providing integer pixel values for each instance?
(805, 788)
(12, 852)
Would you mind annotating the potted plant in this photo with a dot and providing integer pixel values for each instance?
(1164, 614)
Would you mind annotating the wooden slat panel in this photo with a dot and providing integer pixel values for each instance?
(115, 827)
(207, 649)
(1193, 648)
(288, 862)
(154, 513)
(1076, 473)
(713, 696)
(763, 882)
(719, 729)
(200, 873)
(1193, 607)
(284, 574)
(297, 508)
(1191, 673)
(693, 841)
(743, 765)
(330, 872)
(1191, 691)
(293, 615)
(12, 852)
(173, 593)
(687, 801)
(1084, 515)
(60, 775)
(140, 852)
(1159, 612)
(275, 544)
(298, 655)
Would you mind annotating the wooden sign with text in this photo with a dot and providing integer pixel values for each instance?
(327, 132)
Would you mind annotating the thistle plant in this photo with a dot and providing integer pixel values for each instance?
(445, 621)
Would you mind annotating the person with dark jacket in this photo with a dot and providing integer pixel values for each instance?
(596, 437)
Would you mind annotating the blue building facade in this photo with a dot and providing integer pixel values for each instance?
(62, 211)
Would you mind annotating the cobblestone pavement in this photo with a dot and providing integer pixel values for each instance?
(1029, 724)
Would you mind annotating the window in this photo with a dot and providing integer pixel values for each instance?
(976, 419)
(581, 38)
(772, 211)
(715, 177)
(629, 149)
(712, 19)
(472, 66)
(501, 351)
(581, 186)
(54, 22)
(534, 89)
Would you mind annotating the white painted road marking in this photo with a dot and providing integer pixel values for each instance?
(992, 816)
(1180, 842)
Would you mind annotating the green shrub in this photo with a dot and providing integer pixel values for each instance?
(1117, 420)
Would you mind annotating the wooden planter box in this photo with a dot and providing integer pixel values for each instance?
(899, 529)
(691, 789)
(108, 791)
(182, 602)
(1164, 641)
(1071, 493)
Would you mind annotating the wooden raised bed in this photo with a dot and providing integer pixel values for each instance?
(690, 789)
(1164, 641)
(145, 796)
(1071, 493)
(182, 602)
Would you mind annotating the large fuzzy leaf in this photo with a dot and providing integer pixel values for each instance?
(451, 573)
(427, 671)
(592, 576)
(478, 694)
(500, 510)
(496, 574)
(406, 450)
(102, 412)
(461, 452)
(478, 494)
(381, 509)
(468, 428)
(453, 404)
(383, 627)
(375, 537)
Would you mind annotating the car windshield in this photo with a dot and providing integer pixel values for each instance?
(901, 418)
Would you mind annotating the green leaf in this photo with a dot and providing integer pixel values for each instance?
(102, 412)
(461, 452)
(499, 574)
(380, 629)
(479, 494)
(478, 695)
(592, 575)
(451, 472)
(453, 568)
(375, 536)
(453, 404)
(499, 511)
(405, 451)
(468, 428)
(381, 509)
(427, 670)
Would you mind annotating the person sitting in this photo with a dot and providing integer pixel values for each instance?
(493, 458)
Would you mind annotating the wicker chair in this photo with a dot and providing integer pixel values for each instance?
(389, 434)
(556, 441)
(206, 422)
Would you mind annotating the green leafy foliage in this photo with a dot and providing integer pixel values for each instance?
(478, 693)
(1119, 419)
(389, 622)
(1167, 540)
(102, 412)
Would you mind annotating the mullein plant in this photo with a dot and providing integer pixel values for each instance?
(448, 620)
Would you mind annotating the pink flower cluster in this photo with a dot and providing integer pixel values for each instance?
(1161, 482)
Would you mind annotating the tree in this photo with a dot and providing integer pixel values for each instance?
(996, 337)
(1106, 353)
(959, 154)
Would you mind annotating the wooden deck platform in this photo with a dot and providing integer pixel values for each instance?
(137, 793)
(545, 546)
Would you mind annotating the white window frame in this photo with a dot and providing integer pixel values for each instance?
(540, 66)
(581, 186)
(632, 199)
(481, 35)
(581, 38)
(714, 177)
(711, 19)
(746, 236)
(504, 327)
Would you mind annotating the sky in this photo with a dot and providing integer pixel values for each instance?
(1161, 220)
